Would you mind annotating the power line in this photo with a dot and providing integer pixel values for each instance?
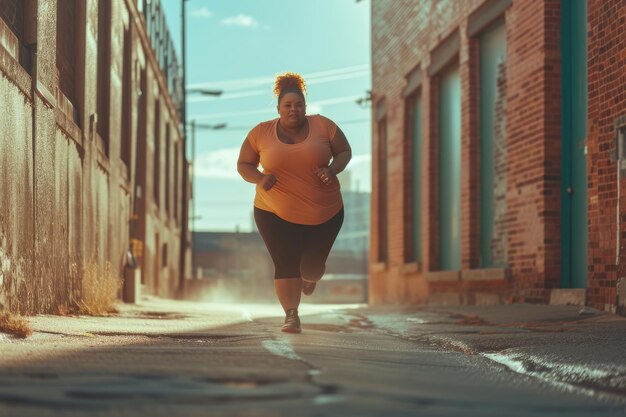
(239, 83)
(326, 102)
(251, 93)
(340, 123)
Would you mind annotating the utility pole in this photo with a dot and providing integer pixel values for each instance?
(187, 239)
(195, 126)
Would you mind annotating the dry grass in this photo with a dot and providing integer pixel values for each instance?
(14, 324)
(99, 289)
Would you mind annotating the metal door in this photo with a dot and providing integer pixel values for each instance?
(574, 232)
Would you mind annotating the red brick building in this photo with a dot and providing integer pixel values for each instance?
(496, 151)
(91, 153)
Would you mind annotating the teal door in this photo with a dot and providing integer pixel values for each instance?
(450, 170)
(574, 232)
(492, 146)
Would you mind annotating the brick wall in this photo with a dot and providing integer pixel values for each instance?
(534, 137)
(403, 33)
(607, 101)
(406, 35)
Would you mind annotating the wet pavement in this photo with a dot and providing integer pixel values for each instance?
(564, 345)
(172, 358)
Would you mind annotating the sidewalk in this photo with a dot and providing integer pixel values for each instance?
(553, 343)
(569, 345)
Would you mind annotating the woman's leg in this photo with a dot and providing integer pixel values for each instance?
(318, 241)
(284, 243)
(289, 291)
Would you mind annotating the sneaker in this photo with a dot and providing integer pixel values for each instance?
(308, 287)
(292, 322)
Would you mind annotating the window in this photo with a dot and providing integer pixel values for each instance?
(127, 99)
(157, 153)
(382, 190)
(177, 196)
(413, 178)
(12, 14)
(66, 50)
(168, 173)
(449, 172)
(104, 69)
(493, 166)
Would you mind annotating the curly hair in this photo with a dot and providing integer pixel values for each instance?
(289, 81)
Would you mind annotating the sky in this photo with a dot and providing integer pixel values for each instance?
(238, 47)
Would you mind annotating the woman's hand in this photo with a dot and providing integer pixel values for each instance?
(267, 182)
(326, 175)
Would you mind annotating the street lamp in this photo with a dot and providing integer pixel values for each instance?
(193, 125)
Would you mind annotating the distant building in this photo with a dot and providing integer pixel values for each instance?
(499, 132)
(350, 251)
(91, 149)
(236, 263)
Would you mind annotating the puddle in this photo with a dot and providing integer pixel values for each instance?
(571, 377)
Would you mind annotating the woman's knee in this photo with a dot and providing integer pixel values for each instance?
(312, 271)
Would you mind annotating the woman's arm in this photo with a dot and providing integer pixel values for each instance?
(247, 167)
(342, 153)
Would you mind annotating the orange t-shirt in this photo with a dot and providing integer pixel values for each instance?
(299, 196)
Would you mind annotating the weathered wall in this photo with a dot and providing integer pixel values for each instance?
(16, 181)
(67, 195)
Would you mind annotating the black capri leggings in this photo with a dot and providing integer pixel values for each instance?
(298, 250)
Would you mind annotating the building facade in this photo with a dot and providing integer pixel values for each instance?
(236, 265)
(91, 152)
(231, 266)
(496, 143)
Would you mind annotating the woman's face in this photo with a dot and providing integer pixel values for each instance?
(292, 110)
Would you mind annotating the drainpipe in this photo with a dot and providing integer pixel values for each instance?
(620, 131)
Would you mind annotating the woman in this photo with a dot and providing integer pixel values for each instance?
(298, 208)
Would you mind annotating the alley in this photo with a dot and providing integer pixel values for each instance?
(165, 358)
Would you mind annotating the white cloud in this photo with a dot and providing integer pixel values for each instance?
(203, 13)
(221, 163)
(313, 108)
(241, 20)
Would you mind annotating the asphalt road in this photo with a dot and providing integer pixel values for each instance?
(186, 359)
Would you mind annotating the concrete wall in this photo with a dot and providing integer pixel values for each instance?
(68, 198)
